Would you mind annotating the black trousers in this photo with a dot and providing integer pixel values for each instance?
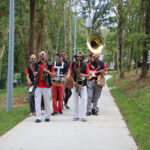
(68, 93)
(31, 102)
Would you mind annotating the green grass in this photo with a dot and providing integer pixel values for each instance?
(134, 104)
(9, 119)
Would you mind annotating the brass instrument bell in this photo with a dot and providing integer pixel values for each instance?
(95, 43)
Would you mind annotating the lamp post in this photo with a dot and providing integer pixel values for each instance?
(75, 34)
(10, 57)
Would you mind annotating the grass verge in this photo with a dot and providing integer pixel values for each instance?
(133, 98)
(10, 119)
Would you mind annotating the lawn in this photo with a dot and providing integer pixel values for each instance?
(19, 112)
(132, 95)
(10, 119)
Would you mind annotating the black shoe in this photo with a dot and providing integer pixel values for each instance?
(37, 120)
(47, 120)
(67, 107)
(60, 112)
(54, 113)
(94, 112)
(88, 113)
(97, 110)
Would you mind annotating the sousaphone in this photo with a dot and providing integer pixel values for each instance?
(95, 43)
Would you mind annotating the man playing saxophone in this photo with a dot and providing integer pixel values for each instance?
(78, 69)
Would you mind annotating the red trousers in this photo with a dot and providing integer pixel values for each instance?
(58, 95)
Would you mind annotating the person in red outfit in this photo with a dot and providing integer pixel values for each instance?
(30, 71)
(45, 73)
(58, 84)
(94, 90)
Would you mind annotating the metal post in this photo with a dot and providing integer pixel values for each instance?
(75, 30)
(10, 58)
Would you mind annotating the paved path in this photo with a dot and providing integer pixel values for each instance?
(107, 131)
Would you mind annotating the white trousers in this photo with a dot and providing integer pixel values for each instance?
(75, 103)
(46, 95)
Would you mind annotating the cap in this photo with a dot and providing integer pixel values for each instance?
(80, 52)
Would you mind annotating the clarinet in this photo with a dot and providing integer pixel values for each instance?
(35, 81)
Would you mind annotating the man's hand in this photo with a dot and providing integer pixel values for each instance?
(74, 84)
(45, 70)
(35, 74)
(29, 83)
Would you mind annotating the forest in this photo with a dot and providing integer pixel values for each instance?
(49, 25)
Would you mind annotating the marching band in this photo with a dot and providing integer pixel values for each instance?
(84, 80)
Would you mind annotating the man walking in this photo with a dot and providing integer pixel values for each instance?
(46, 71)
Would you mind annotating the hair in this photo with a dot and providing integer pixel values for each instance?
(32, 54)
(63, 51)
(79, 52)
(90, 53)
(43, 52)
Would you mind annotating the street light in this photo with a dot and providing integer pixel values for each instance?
(75, 32)
(10, 57)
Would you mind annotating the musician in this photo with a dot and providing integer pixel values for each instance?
(46, 71)
(94, 90)
(89, 57)
(68, 92)
(78, 69)
(30, 71)
(58, 87)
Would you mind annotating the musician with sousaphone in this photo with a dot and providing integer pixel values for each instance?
(96, 68)
(58, 87)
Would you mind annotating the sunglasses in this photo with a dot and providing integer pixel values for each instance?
(79, 56)
(33, 58)
(94, 56)
(42, 54)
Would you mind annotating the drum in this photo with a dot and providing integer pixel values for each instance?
(58, 83)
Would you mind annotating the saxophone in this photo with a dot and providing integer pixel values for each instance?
(78, 79)
(44, 74)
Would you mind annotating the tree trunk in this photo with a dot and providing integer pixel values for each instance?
(114, 66)
(119, 40)
(130, 58)
(146, 43)
(58, 33)
(70, 39)
(2, 49)
(40, 30)
(136, 65)
(65, 35)
(32, 38)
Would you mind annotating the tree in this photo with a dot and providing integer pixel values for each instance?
(32, 41)
(119, 40)
(146, 42)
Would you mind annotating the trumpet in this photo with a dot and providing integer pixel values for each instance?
(95, 43)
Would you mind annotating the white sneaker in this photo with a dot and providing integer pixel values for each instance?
(84, 119)
(75, 119)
